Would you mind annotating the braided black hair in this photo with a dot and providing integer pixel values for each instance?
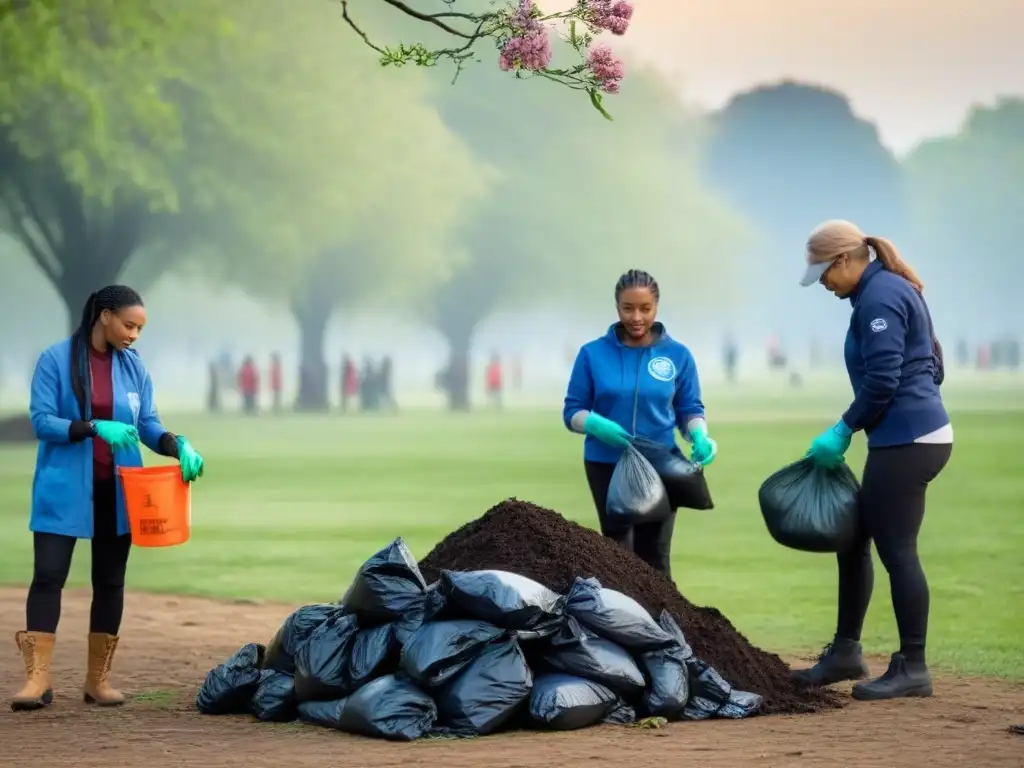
(114, 298)
(637, 278)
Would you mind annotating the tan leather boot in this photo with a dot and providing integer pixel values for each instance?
(101, 657)
(37, 652)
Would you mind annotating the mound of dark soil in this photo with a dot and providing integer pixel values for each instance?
(523, 538)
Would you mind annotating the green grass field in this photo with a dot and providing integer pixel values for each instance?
(290, 506)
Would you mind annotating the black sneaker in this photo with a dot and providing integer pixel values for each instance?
(902, 679)
(840, 660)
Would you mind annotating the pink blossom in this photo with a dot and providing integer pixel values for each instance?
(606, 69)
(530, 51)
(522, 20)
(613, 15)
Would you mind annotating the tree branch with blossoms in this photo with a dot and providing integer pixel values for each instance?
(522, 35)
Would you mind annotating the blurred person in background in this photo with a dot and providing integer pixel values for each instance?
(387, 391)
(213, 388)
(895, 366)
(492, 381)
(349, 381)
(635, 381)
(249, 385)
(730, 357)
(276, 381)
(91, 405)
(367, 386)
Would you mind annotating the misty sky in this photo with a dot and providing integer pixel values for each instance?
(912, 66)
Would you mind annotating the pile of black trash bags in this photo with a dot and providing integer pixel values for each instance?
(472, 654)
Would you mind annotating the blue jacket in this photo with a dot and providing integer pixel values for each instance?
(62, 485)
(891, 361)
(647, 390)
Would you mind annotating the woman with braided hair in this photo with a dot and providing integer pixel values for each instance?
(91, 406)
(635, 381)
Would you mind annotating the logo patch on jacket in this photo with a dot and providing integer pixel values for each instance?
(878, 324)
(662, 369)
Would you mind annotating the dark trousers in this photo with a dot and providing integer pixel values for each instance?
(651, 542)
(892, 509)
(53, 555)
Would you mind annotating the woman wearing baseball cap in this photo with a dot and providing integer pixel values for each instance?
(895, 365)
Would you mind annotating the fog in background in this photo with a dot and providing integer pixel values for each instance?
(741, 126)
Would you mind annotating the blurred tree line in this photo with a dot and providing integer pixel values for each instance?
(271, 151)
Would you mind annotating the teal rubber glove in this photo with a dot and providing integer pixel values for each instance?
(116, 434)
(191, 462)
(607, 431)
(704, 448)
(829, 448)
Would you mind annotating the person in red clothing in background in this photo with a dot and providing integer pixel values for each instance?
(493, 377)
(276, 381)
(349, 381)
(249, 385)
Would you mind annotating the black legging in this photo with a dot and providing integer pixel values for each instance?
(109, 561)
(651, 542)
(892, 509)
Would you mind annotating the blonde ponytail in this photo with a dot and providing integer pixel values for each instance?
(886, 253)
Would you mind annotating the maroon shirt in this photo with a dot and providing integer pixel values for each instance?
(100, 366)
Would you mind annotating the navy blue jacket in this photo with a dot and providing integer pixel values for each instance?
(891, 361)
(649, 391)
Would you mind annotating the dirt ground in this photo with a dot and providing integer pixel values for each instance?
(170, 643)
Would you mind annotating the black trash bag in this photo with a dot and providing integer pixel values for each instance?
(562, 702)
(228, 688)
(388, 708)
(668, 686)
(295, 630)
(621, 714)
(811, 508)
(708, 691)
(488, 693)
(274, 700)
(504, 599)
(615, 616)
(636, 494)
(434, 605)
(440, 650)
(387, 587)
(741, 704)
(374, 654)
(576, 650)
(684, 480)
(432, 609)
(322, 662)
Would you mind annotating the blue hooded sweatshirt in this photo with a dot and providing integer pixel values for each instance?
(649, 391)
(62, 485)
(892, 362)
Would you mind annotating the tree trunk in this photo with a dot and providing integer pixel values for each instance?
(312, 318)
(75, 289)
(457, 376)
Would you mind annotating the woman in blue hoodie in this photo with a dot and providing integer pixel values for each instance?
(895, 366)
(635, 381)
(91, 406)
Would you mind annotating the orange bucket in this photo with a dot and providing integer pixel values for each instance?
(159, 505)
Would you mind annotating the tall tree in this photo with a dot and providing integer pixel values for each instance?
(788, 156)
(386, 181)
(579, 202)
(967, 198)
(85, 133)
